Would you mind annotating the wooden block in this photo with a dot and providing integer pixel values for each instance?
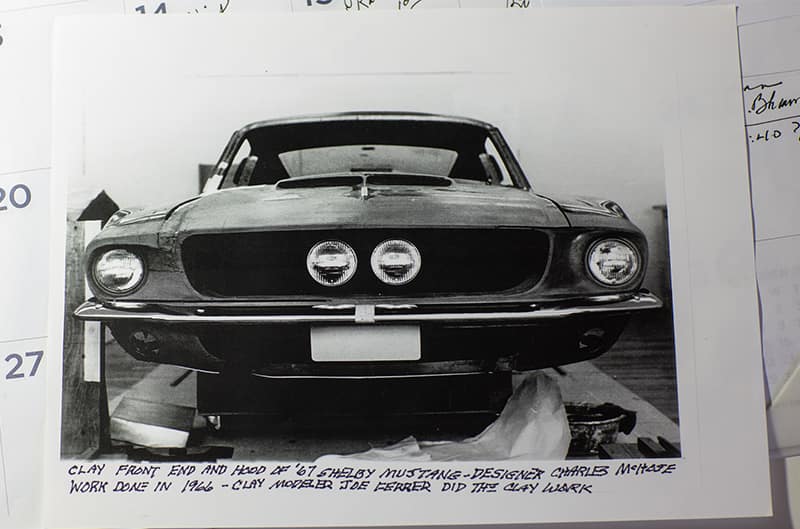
(84, 409)
(672, 449)
(151, 424)
(650, 448)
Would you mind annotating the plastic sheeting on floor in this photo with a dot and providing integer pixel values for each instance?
(533, 425)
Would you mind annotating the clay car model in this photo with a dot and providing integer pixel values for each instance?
(368, 245)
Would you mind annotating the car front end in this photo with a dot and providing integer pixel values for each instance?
(369, 272)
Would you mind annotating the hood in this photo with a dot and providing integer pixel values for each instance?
(389, 206)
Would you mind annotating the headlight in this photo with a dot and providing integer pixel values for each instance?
(613, 262)
(118, 271)
(396, 262)
(331, 263)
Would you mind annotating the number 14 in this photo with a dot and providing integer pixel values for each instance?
(161, 9)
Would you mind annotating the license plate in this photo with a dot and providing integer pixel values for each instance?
(365, 343)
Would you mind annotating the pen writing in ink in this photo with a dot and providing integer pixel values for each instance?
(407, 4)
(775, 132)
(358, 5)
(762, 103)
(220, 7)
(762, 86)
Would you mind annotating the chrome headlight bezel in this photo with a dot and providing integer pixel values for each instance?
(312, 262)
(381, 250)
(594, 272)
(138, 274)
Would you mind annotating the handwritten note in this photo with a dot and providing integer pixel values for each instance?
(241, 478)
(771, 89)
(772, 106)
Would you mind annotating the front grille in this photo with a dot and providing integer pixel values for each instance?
(454, 261)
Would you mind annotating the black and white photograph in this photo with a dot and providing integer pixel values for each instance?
(401, 261)
(435, 251)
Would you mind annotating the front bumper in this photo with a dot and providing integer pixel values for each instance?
(244, 314)
(273, 341)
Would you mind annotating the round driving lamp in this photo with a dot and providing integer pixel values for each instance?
(118, 271)
(331, 263)
(396, 262)
(613, 262)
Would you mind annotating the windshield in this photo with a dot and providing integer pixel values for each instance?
(368, 158)
(438, 148)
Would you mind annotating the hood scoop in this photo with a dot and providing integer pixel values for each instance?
(320, 181)
(393, 179)
(364, 180)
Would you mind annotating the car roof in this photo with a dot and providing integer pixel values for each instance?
(367, 116)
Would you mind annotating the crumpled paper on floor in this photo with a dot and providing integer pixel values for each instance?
(533, 425)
